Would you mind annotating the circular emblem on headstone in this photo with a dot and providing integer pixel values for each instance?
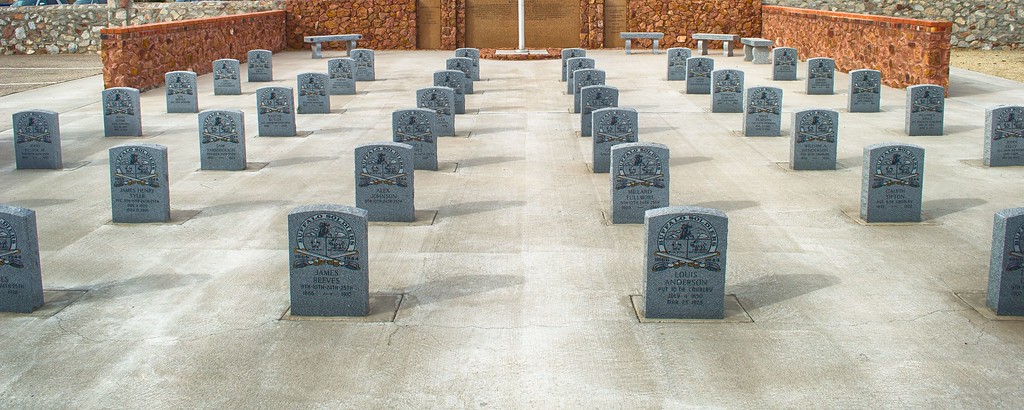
(1016, 259)
(219, 126)
(927, 100)
(314, 85)
(325, 238)
(821, 70)
(614, 126)
(764, 100)
(9, 252)
(118, 102)
(382, 165)
(413, 127)
(340, 70)
(785, 57)
(1009, 124)
(32, 127)
(700, 68)
(135, 166)
(639, 167)
(814, 126)
(897, 166)
(687, 241)
(225, 71)
(271, 101)
(728, 82)
(179, 84)
(866, 83)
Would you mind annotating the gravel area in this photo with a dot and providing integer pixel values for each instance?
(1007, 64)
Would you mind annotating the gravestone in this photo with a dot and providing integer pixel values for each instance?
(814, 146)
(677, 57)
(260, 66)
(698, 75)
(21, 279)
(1004, 136)
(686, 248)
(763, 116)
(821, 73)
(584, 78)
(384, 181)
(222, 140)
(465, 65)
(472, 54)
(595, 97)
(275, 113)
(784, 62)
(442, 101)
(415, 127)
(573, 64)
(727, 91)
(892, 183)
(342, 72)
(925, 106)
(364, 64)
(639, 178)
(313, 95)
(865, 91)
(455, 80)
(121, 116)
(180, 87)
(612, 126)
(328, 262)
(226, 78)
(138, 183)
(1006, 266)
(568, 53)
(37, 140)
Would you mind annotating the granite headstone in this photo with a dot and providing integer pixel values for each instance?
(384, 181)
(442, 101)
(139, 184)
(180, 87)
(21, 279)
(328, 261)
(455, 80)
(686, 248)
(639, 179)
(698, 75)
(925, 107)
(275, 112)
(612, 126)
(784, 63)
(584, 78)
(573, 64)
(260, 66)
(763, 116)
(313, 95)
(342, 72)
(677, 57)
(222, 140)
(821, 76)
(813, 145)
(1006, 266)
(891, 183)
(364, 64)
(37, 140)
(472, 54)
(121, 112)
(727, 91)
(416, 127)
(595, 97)
(1004, 136)
(568, 53)
(865, 91)
(465, 65)
(226, 77)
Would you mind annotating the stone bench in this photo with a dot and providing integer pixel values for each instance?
(317, 41)
(756, 49)
(629, 36)
(728, 39)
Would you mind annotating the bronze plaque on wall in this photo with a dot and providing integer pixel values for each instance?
(428, 24)
(549, 23)
(614, 22)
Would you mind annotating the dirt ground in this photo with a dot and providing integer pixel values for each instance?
(1007, 64)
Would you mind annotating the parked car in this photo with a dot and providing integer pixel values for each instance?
(90, 2)
(36, 3)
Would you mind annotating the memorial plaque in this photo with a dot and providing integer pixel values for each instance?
(342, 73)
(568, 53)
(428, 24)
(677, 57)
(573, 64)
(639, 178)
(865, 91)
(595, 97)
(226, 78)
(1004, 136)
(328, 261)
(698, 75)
(364, 64)
(261, 66)
(121, 116)
(814, 144)
(612, 126)
(442, 101)
(415, 127)
(584, 78)
(455, 80)
(925, 107)
(313, 95)
(138, 183)
(615, 21)
(685, 263)
(181, 92)
(821, 73)
(763, 116)
(472, 54)
(37, 140)
(21, 279)
(1006, 267)
(784, 62)
(275, 112)
(727, 91)
(384, 181)
(891, 183)
(222, 140)
(548, 23)
(465, 65)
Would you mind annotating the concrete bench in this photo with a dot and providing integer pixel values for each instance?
(756, 49)
(629, 36)
(728, 39)
(316, 41)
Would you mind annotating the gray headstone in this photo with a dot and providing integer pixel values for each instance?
(121, 113)
(455, 80)
(465, 65)
(813, 145)
(568, 53)
(727, 91)
(416, 127)
(685, 261)
(21, 279)
(384, 181)
(865, 91)
(1006, 267)
(595, 97)
(342, 72)
(925, 106)
(313, 96)
(364, 64)
(181, 92)
(442, 101)
(328, 269)
(677, 63)
(763, 116)
(584, 78)
(698, 75)
(260, 66)
(612, 126)
(639, 178)
(473, 54)
(784, 63)
(891, 184)
(37, 140)
(1004, 136)
(821, 73)
(573, 64)
(226, 78)
(275, 112)
(222, 140)
(138, 183)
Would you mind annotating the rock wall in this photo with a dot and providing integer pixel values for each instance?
(678, 19)
(384, 24)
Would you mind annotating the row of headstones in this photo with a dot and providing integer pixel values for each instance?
(820, 78)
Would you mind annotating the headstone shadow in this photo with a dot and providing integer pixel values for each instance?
(938, 208)
(771, 289)
(146, 284)
(475, 207)
(482, 161)
(679, 161)
(235, 207)
(728, 206)
(299, 161)
(456, 287)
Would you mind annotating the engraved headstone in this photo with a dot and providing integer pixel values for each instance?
(1006, 266)
(813, 145)
(677, 57)
(465, 65)
(891, 183)
(21, 279)
(573, 64)
(583, 78)
(138, 183)
(416, 128)
(865, 91)
(37, 140)
(328, 272)
(364, 64)
(698, 75)
(1004, 136)
(685, 262)
(727, 91)
(222, 140)
(275, 112)
(384, 181)
(595, 97)
(763, 116)
(925, 107)
(568, 53)
(342, 72)
(260, 66)
(784, 62)
(472, 54)
(455, 80)
(639, 178)
(181, 92)
(313, 96)
(121, 116)
(821, 73)
(226, 78)
(612, 126)
(442, 101)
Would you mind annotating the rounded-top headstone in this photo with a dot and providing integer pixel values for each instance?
(260, 66)
(180, 87)
(365, 70)
(416, 127)
(821, 72)
(275, 109)
(1004, 136)
(473, 54)
(139, 184)
(784, 64)
(677, 63)
(891, 183)
(639, 180)
(685, 262)
(612, 126)
(226, 77)
(21, 281)
(1006, 266)
(698, 75)
(814, 139)
(573, 64)
(384, 181)
(865, 91)
(763, 116)
(727, 91)
(926, 104)
(342, 73)
(568, 53)
(121, 116)
(328, 261)
(37, 139)
(222, 140)
(314, 97)
(442, 101)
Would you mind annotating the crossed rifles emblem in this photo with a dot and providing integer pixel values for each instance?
(695, 262)
(267, 108)
(609, 137)
(1002, 134)
(5, 258)
(405, 136)
(216, 137)
(816, 136)
(148, 180)
(34, 137)
(902, 181)
(642, 180)
(317, 259)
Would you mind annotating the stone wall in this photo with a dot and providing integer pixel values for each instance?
(678, 19)
(384, 24)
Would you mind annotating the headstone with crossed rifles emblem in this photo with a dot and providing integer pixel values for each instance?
(226, 77)
(442, 101)
(465, 65)
(1006, 267)
(384, 181)
(595, 97)
(313, 96)
(821, 76)
(415, 127)
(1004, 136)
(260, 66)
(784, 62)
(121, 116)
(138, 183)
(37, 140)
(612, 126)
(365, 70)
(685, 257)
(453, 79)
(328, 272)
(21, 280)
(275, 112)
(583, 78)
(222, 140)
(180, 87)
(814, 145)
(925, 109)
(865, 91)
(677, 57)
(698, 75)
(727, 91)
(891, 183)
(763, 116)
(573, 64)
(342, 72)
(472, 54)
(640, 180)
(568, 53)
